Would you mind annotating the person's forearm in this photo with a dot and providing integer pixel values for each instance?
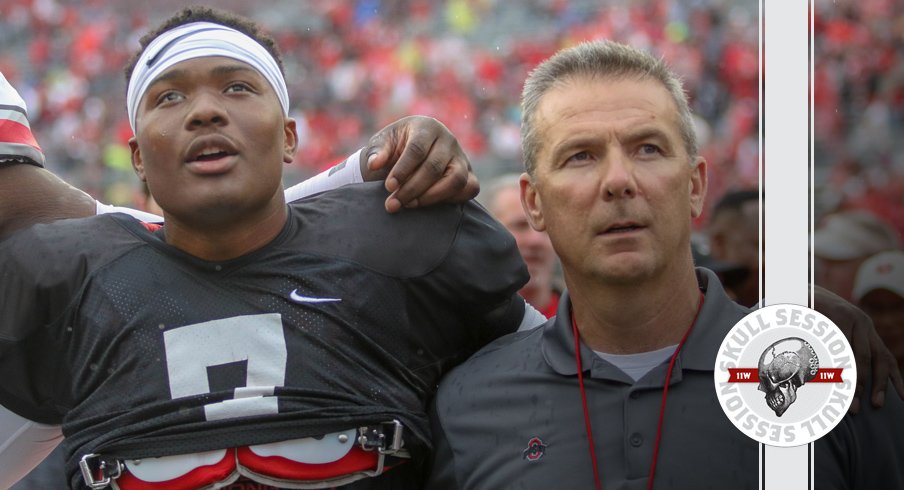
(31, 195)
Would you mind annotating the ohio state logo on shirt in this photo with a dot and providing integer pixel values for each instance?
(785, 375)
(535, 450)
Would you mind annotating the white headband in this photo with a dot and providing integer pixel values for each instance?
(196, 40)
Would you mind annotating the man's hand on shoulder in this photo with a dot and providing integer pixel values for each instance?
(421, 162)
(870, 353)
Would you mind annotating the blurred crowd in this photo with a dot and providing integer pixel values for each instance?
(354, 66)
(859, 109)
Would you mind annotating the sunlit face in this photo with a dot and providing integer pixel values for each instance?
(535, 247)
(211, 140)
(614, 186)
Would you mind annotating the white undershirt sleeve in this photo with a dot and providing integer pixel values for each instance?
(531, 319)
(141, 215)
(23, 445)
(347, 172)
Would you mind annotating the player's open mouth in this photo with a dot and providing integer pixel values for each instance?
(211, 154)
(210, 148)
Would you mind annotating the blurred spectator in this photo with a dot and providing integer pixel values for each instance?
(502, 197)
(729, 274)
(734, 240)
(879, 291)
(842, 242)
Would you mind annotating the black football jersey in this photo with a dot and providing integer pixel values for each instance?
(348, 317)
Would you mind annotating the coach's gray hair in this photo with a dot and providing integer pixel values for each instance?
(600, 59)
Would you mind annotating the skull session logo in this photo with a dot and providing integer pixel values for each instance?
(781, 374)
(785, 375)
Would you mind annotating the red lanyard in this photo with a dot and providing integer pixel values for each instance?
(665, 395)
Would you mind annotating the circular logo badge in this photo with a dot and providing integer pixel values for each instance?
(785, 375)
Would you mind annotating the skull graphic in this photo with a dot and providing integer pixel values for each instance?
(784, 367)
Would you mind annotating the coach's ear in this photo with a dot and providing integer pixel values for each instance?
(697, 186)
(137, 162)
(531, 202)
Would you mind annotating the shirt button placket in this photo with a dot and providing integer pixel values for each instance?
(636, 439)
(637, 457)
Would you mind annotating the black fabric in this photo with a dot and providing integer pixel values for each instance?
(16, 159)
(110, 331)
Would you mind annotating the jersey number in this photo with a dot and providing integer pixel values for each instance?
(257, 340)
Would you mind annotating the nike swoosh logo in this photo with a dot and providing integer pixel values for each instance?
(308, 299)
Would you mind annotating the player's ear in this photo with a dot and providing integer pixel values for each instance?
(533, 205)
(137, 162)
(291, 143)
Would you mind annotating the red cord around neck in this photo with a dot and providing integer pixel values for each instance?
(665, 395)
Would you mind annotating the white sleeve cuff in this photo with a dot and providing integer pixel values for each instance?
(344, 173)
(141, 215)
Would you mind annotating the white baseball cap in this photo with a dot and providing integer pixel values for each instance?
(881, 271)
(853, 234)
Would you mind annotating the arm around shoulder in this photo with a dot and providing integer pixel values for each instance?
(489, 272)
(31, 195)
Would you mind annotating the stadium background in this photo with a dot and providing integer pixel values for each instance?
(354, 66)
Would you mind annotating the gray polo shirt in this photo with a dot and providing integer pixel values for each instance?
(511, 416)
